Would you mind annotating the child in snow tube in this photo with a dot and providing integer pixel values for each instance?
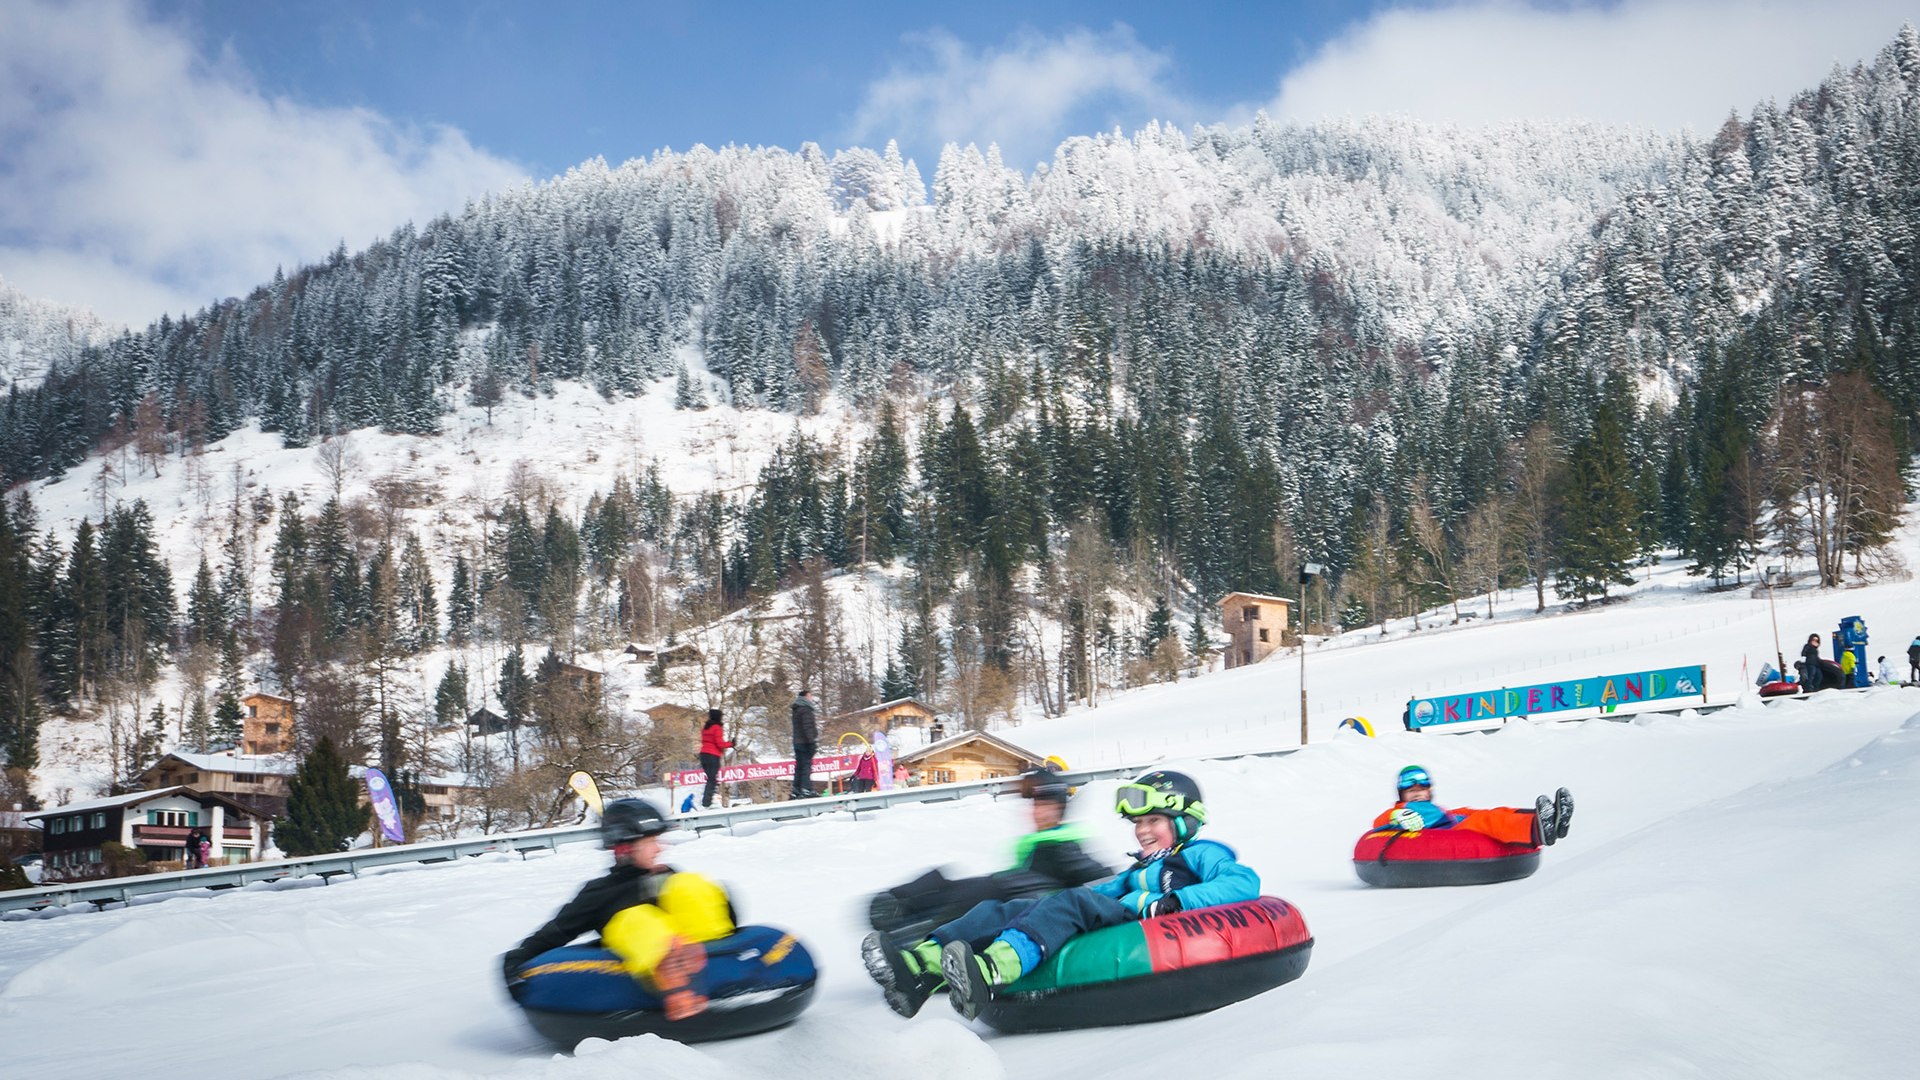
(1416, 810)
(1418, 842)
(651, 916)
(984, 953)
(1045, 860)
(755, 979)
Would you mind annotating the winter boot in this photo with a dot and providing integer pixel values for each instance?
(907, 976)
(973, 977)
(1543, 828)
(1562, 812)
(673, 978)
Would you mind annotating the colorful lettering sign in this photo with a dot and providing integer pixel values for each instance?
(1603, 692)
(766, 770)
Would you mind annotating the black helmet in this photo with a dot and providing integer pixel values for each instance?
(630, 819)
(1162, 792)
(1044, 784)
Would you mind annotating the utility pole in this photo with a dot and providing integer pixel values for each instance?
(1308, 571)
(1779, 655)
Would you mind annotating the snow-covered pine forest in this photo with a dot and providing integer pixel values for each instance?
(1059, 413)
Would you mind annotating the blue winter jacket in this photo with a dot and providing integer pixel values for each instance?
(1201, 873)
(1433, 814)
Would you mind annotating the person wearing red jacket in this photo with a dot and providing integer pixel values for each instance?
(713, 743)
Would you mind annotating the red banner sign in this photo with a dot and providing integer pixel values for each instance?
(829, 765)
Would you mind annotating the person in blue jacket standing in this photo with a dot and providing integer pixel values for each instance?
(998, 941)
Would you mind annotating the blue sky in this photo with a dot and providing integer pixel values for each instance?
(554, 84)
(158, 154)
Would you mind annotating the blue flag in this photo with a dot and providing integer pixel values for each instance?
(380, 794)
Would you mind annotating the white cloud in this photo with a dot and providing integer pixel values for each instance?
(138, 176)
(1653, 63)
(1021, 95)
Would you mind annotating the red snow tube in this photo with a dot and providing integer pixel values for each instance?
(1160, 968)
(1779, 689)
(1398, 860)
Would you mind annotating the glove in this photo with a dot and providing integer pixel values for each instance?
(1166, 905)
(1407, 819)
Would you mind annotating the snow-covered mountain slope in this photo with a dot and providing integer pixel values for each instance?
(1724, 873)
(37, 334)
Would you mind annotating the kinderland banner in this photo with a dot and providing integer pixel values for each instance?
(1601, 692)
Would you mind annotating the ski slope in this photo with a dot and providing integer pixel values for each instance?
(1730, 902)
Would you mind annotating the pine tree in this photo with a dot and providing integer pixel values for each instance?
(1199, 638)
(228, 719)
(460, 603)
(450, 698)
(1159, 626)
(323, 805)
(196, 734)
(206, 615)
(1597, 548)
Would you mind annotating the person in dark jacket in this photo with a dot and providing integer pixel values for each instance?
(1810, 669)
(1046, 860)
(1913, 660)
(194, 861)
(806, 736)
(713, 743)
(649, 914)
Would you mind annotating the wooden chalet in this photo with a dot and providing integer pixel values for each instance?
(970, 755)
(886, 715)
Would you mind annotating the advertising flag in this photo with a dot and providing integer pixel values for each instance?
(583, 785)
(380, 794)
(883, 753)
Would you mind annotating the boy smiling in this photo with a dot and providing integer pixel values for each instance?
(994, 944)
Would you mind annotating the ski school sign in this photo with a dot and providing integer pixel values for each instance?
(828, 765)
(1601, 692)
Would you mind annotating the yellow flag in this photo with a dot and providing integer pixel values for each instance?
(583, 785)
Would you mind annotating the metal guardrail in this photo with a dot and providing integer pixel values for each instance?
(327, 867)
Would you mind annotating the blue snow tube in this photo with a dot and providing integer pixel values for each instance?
(756, 979)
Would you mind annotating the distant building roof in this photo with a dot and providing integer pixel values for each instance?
(133, 798)
(1255, 596)
(894, 704)
(271, 764)
(967, 737)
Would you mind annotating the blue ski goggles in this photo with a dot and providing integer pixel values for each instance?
(1139, 800)
(1415, 777)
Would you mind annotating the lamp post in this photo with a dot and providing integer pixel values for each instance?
(1767, 575)
(1308, 571)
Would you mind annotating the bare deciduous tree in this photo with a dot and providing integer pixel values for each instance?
(1536, 506)
(1837, 473)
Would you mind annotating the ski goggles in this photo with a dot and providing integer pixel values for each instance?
(1415, 778)
(1138, 800)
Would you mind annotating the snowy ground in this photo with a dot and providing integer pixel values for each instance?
(1730, 903)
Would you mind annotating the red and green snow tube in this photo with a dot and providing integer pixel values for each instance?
(1157, 969)
(1400, 860)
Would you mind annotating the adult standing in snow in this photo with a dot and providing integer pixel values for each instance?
(193, 850)
(713, 743)
(806, 736)
(1810, 671)
(1913, 660)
